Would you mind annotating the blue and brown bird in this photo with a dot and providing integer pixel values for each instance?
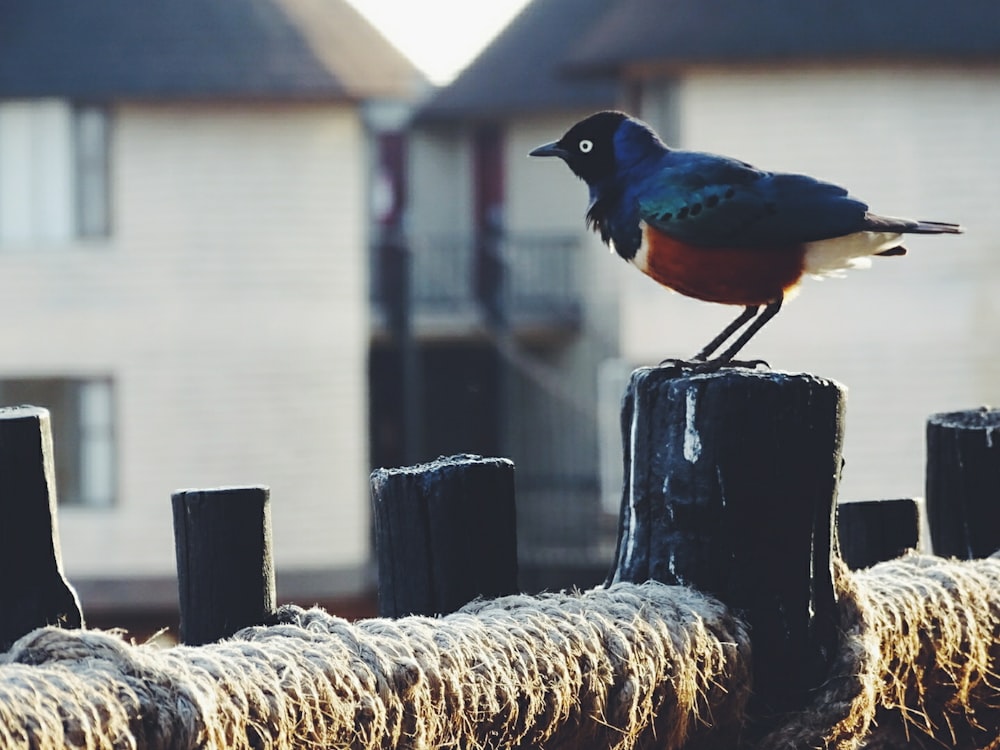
(719, 229)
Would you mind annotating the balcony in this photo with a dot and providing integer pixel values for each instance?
(444, 285)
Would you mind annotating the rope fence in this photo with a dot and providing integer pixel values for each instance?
(630, 666)
(732, 621)
(611, 668)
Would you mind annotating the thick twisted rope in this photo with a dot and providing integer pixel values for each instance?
(629, 667)
(632, 666)
(918, 663)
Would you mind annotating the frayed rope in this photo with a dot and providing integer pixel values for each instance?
(632, 666)
(625, 667)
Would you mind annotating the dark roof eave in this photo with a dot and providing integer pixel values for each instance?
(444, 115)
(686, 33)
(601, 93)
(321, 93)
(174, 96)
(636, 67)
(283, 50)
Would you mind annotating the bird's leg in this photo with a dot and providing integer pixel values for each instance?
(769, 312)
(748, 312)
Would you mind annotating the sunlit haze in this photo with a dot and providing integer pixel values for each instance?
(440, 36)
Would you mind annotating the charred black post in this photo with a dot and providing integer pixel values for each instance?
(225, 573)
(33, 589)
(730, 486)
(873, 531)
(445, 534)
(963, 483)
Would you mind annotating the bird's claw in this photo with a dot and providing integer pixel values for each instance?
(699, 366)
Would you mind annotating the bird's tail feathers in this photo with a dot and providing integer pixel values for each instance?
(934, 227)
(877, 223)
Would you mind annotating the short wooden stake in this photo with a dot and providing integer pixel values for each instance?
(33, 588)
(445, 533)
(873, 531)
(963, 483)
(225, 573)
(730, 485)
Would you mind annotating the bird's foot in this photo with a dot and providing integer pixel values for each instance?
(699, 366)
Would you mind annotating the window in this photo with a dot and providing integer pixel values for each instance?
(54, 164)
(91, 144)
(82, 414)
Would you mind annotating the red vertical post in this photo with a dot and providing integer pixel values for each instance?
(488, 207)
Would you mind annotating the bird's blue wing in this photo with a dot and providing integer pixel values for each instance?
(709, 200)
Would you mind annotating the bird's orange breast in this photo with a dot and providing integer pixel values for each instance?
(730, 275)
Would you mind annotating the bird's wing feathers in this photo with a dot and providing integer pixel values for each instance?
(709, 200)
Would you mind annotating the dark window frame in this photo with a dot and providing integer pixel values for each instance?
(91, 143)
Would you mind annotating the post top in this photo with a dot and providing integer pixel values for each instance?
(24, 412)
(983, 418)
(676, 372)
(227, 490)
(444, 463)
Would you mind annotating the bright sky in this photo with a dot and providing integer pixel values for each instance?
(440, 36)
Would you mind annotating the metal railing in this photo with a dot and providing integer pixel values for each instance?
(541, 276)
(511, 277)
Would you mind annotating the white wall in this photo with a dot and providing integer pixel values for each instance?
(440, 196)
(911, 335)
(230, 306)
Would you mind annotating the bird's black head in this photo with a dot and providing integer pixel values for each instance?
(588, 148)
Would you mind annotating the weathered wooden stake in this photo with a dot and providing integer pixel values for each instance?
(445, 533)
(33, 590)
(873, 531)
(963, 483)
(730, 485)
(225, 573)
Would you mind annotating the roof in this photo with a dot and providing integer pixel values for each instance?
(562, 54)
(154, 49)
(681, 33)
(522, 69)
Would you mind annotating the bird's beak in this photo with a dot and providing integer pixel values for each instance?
(550, 149)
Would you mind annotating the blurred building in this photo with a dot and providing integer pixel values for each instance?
(510, 317)
(892, 98)
(184, 217)
(223, 261)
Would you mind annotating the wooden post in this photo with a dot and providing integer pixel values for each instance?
(445, 534)
(730, 486)
(963, 483)
(873, 531)
(33, 590)
(225, 573)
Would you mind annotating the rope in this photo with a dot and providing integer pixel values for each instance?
(918, 663)
(626, 667)
(633, 666)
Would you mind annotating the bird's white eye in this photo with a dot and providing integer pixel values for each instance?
(586, 146)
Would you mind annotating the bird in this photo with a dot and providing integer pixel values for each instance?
(718, 229)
